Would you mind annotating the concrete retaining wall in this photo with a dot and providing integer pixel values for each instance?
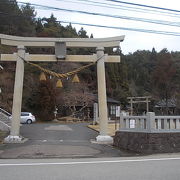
(148, 142)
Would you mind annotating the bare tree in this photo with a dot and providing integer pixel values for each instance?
(163, 77)
(76, 99)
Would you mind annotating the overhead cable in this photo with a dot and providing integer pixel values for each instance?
(125, 28)
(143, 5)
(109, 27)
(168, 23)
(123, 7)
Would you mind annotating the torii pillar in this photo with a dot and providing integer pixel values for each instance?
(100, 57)
(102, 98)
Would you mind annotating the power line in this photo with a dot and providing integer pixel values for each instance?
(127, 29)
(126, 8)
(109, 27)
(143, 5)
(168, 23)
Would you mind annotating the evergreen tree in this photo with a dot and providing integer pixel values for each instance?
(27, 24)
(46, 101)
(82, 33)
(9, 17)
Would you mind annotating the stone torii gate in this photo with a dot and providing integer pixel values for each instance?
(22, 42)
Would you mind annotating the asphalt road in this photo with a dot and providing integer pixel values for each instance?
(56, 131)
(54, 140)
(137, 168)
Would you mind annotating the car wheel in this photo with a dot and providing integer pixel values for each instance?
(29, 121)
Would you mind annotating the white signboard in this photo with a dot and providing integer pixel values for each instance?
(132, 123)
(118, 111)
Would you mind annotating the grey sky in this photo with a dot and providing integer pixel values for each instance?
(133, 40)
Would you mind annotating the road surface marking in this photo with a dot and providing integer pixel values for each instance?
(90, 162)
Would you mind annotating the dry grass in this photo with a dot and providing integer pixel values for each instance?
(68, 119)
(111, 128)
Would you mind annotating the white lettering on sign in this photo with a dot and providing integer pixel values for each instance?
(118, 110)
(132, 123)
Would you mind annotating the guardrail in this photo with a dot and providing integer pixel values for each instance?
(5, 122)
(150, 123)
(5, 112)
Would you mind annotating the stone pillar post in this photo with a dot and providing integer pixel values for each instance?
(147, 105)
(150, 121)
(165, 124)
(159, 124)
(177, 123)
(171, 124)
(121, 124)
(14, 136)
(102, 99)
(131, 103)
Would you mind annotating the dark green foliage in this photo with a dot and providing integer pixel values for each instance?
(9, 16)
(154, 74)
(139, 69)
(164, 86)
(44, 101)
(15, 20)
(27, 22)
(117, 82)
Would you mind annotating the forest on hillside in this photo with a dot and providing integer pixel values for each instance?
(142, 73)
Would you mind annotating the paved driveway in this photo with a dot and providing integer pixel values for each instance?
(52, 140)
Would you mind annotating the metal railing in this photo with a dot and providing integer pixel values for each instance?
(5, 121)
(5, 112)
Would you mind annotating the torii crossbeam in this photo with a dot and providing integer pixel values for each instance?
(22, 42)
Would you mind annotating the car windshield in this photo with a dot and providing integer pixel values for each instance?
(24, 114)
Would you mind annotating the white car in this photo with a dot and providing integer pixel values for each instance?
(26, 117)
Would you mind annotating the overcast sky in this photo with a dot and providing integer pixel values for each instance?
(133, 40)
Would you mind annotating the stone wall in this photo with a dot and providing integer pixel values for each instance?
(143, 142)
